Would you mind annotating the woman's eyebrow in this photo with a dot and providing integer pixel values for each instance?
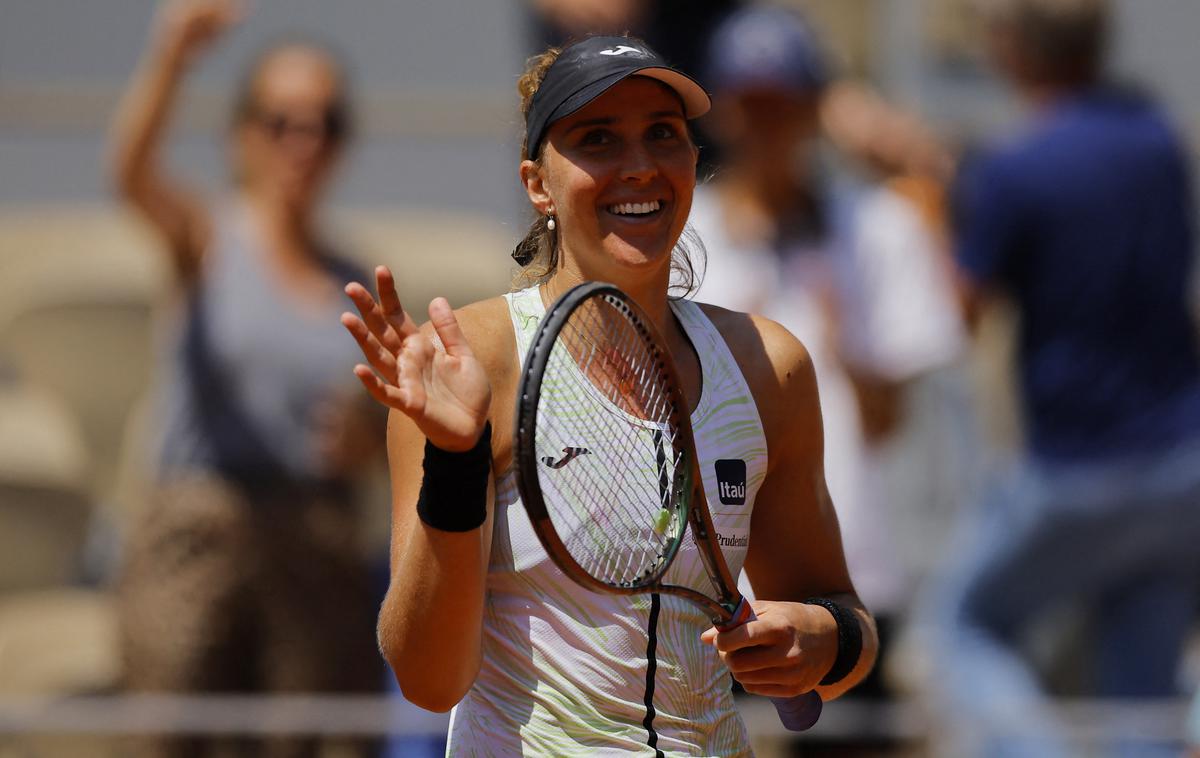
(604, 121)
(610, 120)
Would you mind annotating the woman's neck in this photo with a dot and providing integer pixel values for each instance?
(649, 292)
(286, 229)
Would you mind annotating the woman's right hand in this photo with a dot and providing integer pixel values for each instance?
(186, 28)
(444, 391)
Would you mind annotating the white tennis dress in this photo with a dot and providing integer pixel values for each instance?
(570, 672)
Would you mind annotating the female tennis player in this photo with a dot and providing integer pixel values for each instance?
(477, 615)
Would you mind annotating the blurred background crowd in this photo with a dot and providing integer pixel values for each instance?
(978, 215)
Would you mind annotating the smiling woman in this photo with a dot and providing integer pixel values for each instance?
(477, 614)
(599, 136)
(624, 179)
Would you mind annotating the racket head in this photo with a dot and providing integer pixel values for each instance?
(602, 448)
(597, 359)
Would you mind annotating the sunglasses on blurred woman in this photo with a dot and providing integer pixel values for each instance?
(329, 129)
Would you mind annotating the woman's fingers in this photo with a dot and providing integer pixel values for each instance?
(402, 371)
(389, 302)
(441, 315)
(385, 283)
(757, 658)
(406, 396)
(384, 393)
(777, 675)
(753, 634)
(781, 653)
(373, 317)
(381, 359)
(444, 392)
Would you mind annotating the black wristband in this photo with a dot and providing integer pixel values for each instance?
(849, 639)
(454, 489)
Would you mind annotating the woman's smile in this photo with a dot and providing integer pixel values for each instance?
(636, 217)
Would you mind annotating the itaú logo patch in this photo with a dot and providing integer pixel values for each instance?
(731, 481)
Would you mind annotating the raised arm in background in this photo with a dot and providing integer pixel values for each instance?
(182, 31)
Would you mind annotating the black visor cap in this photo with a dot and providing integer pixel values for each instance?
(589, 68)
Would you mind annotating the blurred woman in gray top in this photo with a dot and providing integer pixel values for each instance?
(245, 574)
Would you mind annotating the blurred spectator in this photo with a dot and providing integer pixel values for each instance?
(1193, 727)
(1085, 221)
(245, 574)
(901, 338)
(851, 268)
(895, 148)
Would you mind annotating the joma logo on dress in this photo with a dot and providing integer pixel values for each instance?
(569, 454)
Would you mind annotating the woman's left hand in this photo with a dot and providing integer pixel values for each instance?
(785, 652)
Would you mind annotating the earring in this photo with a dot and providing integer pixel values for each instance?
(550, 223)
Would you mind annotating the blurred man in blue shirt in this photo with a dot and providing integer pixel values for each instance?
(1084, 220)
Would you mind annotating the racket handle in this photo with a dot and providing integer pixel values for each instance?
(799, 712)
(796, 713)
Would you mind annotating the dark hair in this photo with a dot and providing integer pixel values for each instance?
(537, 253)
(1059, 41)
(246, 105)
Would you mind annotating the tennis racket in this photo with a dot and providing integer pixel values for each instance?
(606, 463)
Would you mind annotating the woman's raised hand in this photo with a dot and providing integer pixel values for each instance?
(444, 391)
(187, 27)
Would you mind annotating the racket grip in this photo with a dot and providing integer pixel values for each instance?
(799, 712)
(796, 713)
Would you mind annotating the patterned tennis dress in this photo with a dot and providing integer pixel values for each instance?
(569, 672)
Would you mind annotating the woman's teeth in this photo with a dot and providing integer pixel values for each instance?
(634, 209)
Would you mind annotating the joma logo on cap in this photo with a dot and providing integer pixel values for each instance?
(621, 50)
(731, 481)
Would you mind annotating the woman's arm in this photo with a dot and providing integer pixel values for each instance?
(795, 544)
(182, 30)
(431, 622)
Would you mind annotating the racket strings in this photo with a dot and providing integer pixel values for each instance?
(605, 383)
(618, 377)
(608, 563)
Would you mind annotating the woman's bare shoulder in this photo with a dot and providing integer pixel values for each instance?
(776, 365)
(764, 349)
